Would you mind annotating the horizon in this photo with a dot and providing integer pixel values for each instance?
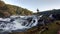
(32, 5)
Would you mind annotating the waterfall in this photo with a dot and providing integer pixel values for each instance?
(17, 23)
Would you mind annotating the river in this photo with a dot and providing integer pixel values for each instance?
(18, 23)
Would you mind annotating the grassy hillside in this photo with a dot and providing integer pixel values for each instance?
(53, 28)
(48, 12)
(7, 10)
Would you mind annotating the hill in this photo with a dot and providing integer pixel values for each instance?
(48, 12)
(6, 10)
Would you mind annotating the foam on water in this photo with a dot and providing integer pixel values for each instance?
(17, 23)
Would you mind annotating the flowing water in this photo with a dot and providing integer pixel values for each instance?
(17, 23)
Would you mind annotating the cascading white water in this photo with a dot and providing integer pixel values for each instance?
(18, 23)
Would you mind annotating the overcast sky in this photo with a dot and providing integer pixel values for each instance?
(32, 5)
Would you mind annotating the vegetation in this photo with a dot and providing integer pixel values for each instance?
(53, 28)
(48, 12)
(7, 10)
(12, 10)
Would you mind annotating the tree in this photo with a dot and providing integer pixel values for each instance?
(37, 10)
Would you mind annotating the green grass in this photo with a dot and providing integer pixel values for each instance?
(53, 28)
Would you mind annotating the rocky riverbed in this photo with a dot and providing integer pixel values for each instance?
(22, 24)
